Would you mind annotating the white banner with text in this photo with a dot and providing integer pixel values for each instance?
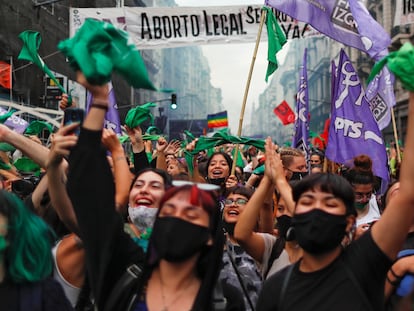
(168, 27)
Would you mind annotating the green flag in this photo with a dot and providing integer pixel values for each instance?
(98, 48)
(276, 40)
(31, 42)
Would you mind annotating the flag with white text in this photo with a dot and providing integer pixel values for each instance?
(353, 130)
(334, 18)
(301, 136)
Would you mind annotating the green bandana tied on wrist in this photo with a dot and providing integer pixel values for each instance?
(98, 48)
(401, 63)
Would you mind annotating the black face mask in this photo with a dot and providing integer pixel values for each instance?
(318, 232)
(176, 240)
(229, 227)
(298, 175)
(283, 225)
(217, 181)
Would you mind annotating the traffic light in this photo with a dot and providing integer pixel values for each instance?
(173, 101)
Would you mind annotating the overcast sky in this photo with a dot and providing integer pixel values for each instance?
(230, 64)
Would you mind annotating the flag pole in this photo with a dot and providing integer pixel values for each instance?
(394, 126)
(246, 91)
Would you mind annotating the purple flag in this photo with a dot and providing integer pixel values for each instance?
(14, 122)
(381, 97)
(301, 137)
(334, 19)
(380, 91)
(112, 120)
(353, 129)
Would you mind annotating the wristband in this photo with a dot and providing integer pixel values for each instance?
(99, 106)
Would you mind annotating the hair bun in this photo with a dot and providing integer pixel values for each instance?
(363, 163)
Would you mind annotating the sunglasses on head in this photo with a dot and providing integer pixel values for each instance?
(201, 186)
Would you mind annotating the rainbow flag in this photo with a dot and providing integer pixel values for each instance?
(217, 120)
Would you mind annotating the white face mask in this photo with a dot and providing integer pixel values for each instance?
(142, 217)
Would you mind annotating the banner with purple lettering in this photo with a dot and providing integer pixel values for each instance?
(112, 120)
(301, 137)
(334, 19)
(353, 129)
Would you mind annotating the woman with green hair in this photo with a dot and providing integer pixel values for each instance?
(26, 260)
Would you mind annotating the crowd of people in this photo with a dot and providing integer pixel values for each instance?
(94, 227)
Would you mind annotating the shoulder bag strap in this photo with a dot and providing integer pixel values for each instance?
(131, 276)
(246, 294)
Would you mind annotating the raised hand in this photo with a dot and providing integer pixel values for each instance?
(273, 165)
(173, 147)
(111, 141)
(62, 142)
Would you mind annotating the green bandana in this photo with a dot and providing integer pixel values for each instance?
(6, 147)
(401, 63)
(138, 115)
(27, 165)
(153, 130)
(98, 48)
(219, 138)
(7, 115)
(36, 127)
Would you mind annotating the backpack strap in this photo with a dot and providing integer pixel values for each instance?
(219, 301)
(129, 280)
(239, 277)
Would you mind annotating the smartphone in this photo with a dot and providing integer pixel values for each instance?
(73, 115)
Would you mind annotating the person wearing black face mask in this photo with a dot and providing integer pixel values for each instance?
(294, 163)
(274, 253)
(184, 254)
(330, 277)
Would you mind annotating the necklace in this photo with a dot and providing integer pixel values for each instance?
(180, 294)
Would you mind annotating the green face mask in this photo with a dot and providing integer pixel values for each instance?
(360, 206)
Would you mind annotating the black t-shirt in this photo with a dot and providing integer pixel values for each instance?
(331, 288)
